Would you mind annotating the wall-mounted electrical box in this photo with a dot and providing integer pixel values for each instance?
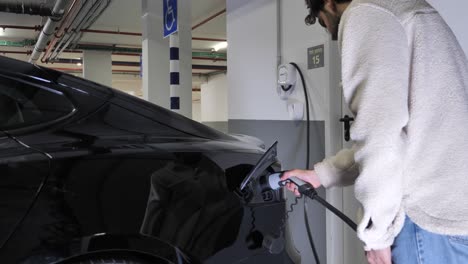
(287, 77)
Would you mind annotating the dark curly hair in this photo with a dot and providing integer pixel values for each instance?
(314, 7)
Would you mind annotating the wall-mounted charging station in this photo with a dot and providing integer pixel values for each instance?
(287, 79)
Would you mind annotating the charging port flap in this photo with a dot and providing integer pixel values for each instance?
(265, 161)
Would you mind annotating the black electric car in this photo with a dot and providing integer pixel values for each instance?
(89, 174)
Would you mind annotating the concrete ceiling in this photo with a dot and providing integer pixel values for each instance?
(120, 15)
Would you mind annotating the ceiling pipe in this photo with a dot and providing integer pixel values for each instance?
(35, 28)
(26, 8)
(209, 67)
(72, 27)
(210, 59)
(208, 39)
(107, 48)
(49, 29)
(21, 43)
(209, 19)
(38, 28)
(15, 52)
(139, 54)
(196, 55)
(78, 70)
(137, 64)
(71, 13)
(89, 20)
(139, 34)
(113, 53)
(57, 14)
(126, 54)
(85, 16)
(110, 32)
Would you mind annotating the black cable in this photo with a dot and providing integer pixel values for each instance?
(309, 191)
(307, 114)
(316, 197)
(309, 233)
(252, 221)
(306, 213)
(291, 206)
(288, 212)
(337, 212)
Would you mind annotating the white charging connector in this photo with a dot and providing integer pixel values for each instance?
(305, 188)
(274, 180)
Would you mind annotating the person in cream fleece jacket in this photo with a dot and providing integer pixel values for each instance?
(405, 78)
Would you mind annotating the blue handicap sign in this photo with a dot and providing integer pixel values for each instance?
(170, 17)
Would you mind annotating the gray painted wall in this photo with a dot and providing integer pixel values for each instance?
(220, 126)
(292, 154)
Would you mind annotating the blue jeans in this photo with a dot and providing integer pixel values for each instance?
(415, 245)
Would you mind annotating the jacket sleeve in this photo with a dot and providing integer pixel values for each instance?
(339, 170)
(376, 68)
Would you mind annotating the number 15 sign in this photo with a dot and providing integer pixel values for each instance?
(316, 57)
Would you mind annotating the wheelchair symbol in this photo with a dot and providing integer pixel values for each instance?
(169, 19)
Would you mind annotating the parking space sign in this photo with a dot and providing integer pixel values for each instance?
(170, 17)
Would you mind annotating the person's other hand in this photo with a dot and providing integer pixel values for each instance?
(381, 256)
(306, 175)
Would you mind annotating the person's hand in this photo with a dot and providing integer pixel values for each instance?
(381, 256)
(306, 175)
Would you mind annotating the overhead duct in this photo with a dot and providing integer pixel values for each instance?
(26, 8)
(48, 29)
(85, 18)
(86, 7)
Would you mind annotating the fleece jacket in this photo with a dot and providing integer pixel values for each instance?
(405, 78)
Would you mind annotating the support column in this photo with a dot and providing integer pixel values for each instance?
(174, 72)
(155, 54)
(97, 66)
(215, 100)
(185, 56)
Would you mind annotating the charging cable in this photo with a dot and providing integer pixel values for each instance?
(306, 213)
(305, 188)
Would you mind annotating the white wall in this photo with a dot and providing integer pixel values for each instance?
(132, 84)
(325, 103)
(252, 75)
(184, 10)
(252, 38)
(252, 65)
(296, 37)
(196, 106)
(128, 83)
(97, 66)
(214, 99)
(454, 13)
